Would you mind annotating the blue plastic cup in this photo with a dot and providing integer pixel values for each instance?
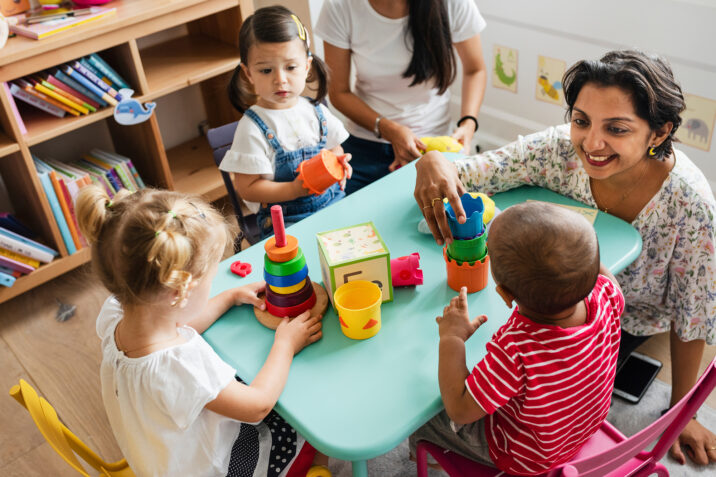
(473, 226)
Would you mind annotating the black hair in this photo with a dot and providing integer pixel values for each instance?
(429, 26)
(274, 24)
(656, 95)
(545, 255)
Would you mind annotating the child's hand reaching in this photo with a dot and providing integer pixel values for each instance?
(456, 320)
(347, 169)
(301, 331)
(249, 294)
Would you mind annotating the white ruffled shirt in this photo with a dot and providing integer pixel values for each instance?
(380, 55)
(155, 404)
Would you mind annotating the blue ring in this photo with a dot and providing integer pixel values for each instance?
(288, 280)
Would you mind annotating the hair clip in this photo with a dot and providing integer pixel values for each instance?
(108, 204)
(198, 211)
(172, 213)
(299, 25)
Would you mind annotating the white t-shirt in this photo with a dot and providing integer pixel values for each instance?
(380, 55)
(296, 127)
(155, 404)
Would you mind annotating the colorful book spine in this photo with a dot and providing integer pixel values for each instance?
(58, 97)
(95, 60)
(9, 222)
(96, 81)
(15, 265)
(15, 112)
(116, 167)
(59, 84)
(125, 162)
(33, 100)
(60, 75)
(97, 73)
(10, 271)
(62, 195)
(74, 74)
(69, 96)
(6, 279)
(108, 170)
(19, 258)
(29, 87)
(19, 244)
(100, 174)
(43, 173)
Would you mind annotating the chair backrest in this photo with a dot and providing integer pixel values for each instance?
(220, 140)
(62, 440)
(671, 424)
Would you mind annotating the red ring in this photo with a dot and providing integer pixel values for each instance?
(291, 311)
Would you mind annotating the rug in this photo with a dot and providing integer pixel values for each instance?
(628, 418)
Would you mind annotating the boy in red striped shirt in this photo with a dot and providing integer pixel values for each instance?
(545, 384)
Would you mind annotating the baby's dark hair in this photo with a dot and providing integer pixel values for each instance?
(275, 24)
(656, 95)
(545, 255)
(150, 241)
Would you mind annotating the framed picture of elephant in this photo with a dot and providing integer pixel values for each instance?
(697, 127)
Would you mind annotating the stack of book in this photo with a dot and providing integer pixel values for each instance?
(19, 254)
(76, 88)
(62, 182)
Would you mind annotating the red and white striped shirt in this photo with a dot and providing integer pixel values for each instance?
(547, 389)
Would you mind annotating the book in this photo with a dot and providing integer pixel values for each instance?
(75, 75)
(6, 279)
(24, 246)
(96, 81)
(39, 31)
(71, 186)
(28, 85)
(10, 271)
(109, 171)
(95, 60)
(63, 197)
(120, 169)
(13, 107)
(14, 264)
(10, 222)
(99, 173)
(59, 84)
(96, 72)
(60, 75)
(35, 101)
(19, 258)
(125, 160)
(67, 102)
(63, 91)
(43, 172)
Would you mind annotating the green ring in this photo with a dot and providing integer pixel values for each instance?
(282, 269)
(468, 250)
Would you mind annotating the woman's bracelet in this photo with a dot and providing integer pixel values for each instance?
(376, 126)
(473, 118)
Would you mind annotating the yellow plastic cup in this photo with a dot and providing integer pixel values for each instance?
(358, 304)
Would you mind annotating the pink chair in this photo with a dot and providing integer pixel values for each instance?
(608, 453)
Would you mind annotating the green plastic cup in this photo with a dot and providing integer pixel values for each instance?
(469, 250)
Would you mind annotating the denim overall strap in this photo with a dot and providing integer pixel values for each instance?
(323, 125)
(268, 133)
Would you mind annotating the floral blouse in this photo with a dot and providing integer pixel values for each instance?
(674, 277)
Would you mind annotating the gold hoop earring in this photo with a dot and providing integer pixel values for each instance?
(651, 151)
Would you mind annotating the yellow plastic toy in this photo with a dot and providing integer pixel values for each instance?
(487, 202)
(441, 144)
(62, 439)
(358, 305)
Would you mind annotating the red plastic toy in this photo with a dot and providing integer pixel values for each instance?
(406, 271)
(241, 268)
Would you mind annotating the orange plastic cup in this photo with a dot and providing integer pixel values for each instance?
(320, 172)
(473, 275)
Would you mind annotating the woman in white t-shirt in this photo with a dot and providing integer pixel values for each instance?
(403, 52)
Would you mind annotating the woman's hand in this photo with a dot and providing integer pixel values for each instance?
(406, 145)
(699, 443)
(299, 332)
(249, 294)
(438, 178)
(464, 134)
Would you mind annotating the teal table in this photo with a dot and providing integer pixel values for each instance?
(355, 400)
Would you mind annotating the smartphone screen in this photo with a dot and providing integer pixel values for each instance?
(635, 376)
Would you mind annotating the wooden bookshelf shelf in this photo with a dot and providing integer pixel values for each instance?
(184, 61)
(205, 55)
(194, 170)
(45, 273)
(7, 146)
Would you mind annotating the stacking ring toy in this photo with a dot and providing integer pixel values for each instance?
(288, 280)
(282, 253)
(291, 311)
(287, 290)
(283, 269)
(291, 299)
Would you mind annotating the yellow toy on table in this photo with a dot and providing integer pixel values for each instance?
(441, 144)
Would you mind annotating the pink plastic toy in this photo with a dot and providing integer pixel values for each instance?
(406, 271)
(241, 268)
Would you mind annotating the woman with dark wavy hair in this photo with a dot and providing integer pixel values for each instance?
(617, 154)
(404, 55)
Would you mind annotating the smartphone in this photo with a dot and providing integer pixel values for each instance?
(635, 376)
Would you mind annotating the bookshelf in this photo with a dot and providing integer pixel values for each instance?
(204, 54)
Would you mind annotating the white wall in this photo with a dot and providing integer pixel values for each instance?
(570, 30)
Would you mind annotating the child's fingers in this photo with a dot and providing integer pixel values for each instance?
(462, 298)
(479, 321)
(303, 317)
(315, 337)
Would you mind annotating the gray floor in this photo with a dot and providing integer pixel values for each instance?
(626, 417)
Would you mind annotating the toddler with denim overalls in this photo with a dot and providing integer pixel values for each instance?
(281, 129)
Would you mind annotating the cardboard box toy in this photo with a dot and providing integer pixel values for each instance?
(354, 253)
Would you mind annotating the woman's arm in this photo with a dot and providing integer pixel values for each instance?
(405, 144)
(254, 188)
(474, 81)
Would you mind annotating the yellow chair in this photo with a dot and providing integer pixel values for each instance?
(62, 439)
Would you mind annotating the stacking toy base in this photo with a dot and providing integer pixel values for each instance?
(474, 276)
(272, 322)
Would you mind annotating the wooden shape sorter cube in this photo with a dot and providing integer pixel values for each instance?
(354, 253)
